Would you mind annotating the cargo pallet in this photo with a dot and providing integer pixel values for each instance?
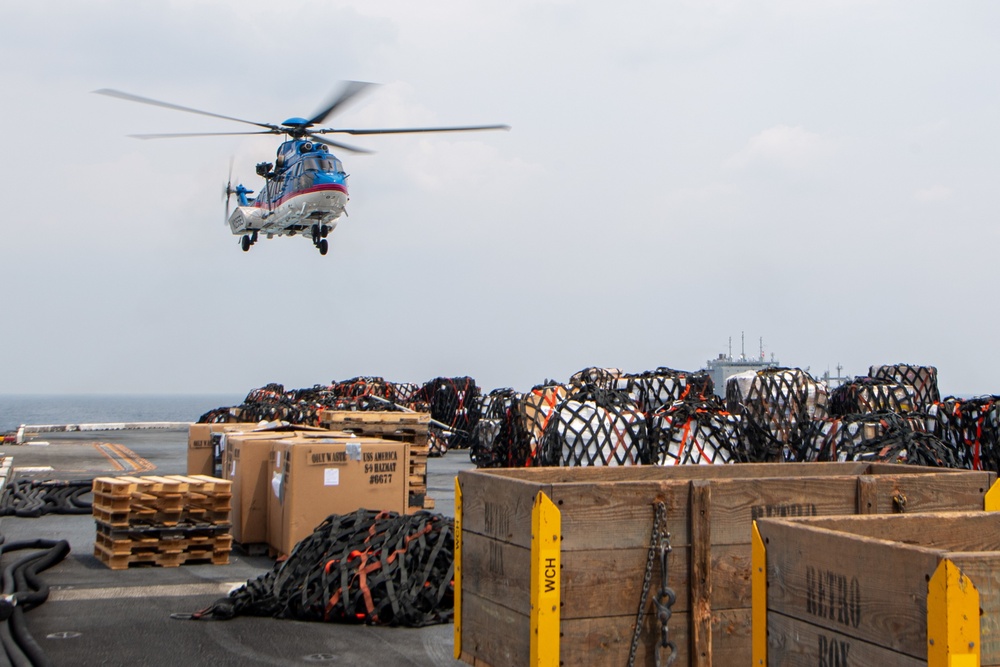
(550, 561)
(411, 427)
(167, 521)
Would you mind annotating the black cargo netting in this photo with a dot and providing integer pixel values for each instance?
(923, 379)
(404, 392)
(837, 438)
(596, 427)
(605, 378)
(498, 433)
(533, 414)
(654, 390)
(693, 431)
(900, 444)
(777, 411)
(302, 406)
(971, 427)
(455, 402)
(866, 394)
(378, 568)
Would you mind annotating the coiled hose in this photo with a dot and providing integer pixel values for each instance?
(23, 590)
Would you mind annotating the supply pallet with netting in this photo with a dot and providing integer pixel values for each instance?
(166, 521)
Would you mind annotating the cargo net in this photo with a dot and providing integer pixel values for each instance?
(971, 427)
(604, 378)
(302, 406)
(534, 412)
(595, 427)
(695, 431)
(657, 389)
(923, 379)
(838, 438)
(377, 568)
(777, 408)
(895, 441)
(451, 401)
(497, 436)
(866, 394)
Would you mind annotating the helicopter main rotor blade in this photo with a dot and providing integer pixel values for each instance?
(177, 135)
(337, 144)
(407, 130)
(351, 88)
(167, 105)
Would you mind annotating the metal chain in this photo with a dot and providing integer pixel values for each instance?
(659, 542)
(665, 600)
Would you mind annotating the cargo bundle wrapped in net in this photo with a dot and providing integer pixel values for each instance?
(377, 568)
(653, 390)
(971, 427)
(595, 427)
(867, 394)
(846, 437)
(923, 379)
(498, 433)
(777, 407)
(695, 432)
(604, 378)
(451, 401)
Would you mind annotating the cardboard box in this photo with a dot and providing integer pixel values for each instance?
(201, 451)
(246, 465)
(553, 559)
(313, 477)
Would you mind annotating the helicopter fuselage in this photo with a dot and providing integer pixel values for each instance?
(305, 193)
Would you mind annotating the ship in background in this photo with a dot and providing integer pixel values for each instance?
(725, 366)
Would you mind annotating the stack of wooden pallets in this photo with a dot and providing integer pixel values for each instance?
(410, 427)
(167, 521)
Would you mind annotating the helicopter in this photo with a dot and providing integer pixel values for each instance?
(305, 188)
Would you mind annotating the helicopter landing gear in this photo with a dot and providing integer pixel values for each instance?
(248, 240)
(323, 246)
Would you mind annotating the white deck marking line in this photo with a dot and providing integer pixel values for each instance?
(163, 591)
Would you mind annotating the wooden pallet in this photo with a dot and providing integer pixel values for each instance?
(191, 556)
(164, 500)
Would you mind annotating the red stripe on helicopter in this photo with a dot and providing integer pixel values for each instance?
(337, 187)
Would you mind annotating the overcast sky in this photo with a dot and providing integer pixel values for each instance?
(823, 175)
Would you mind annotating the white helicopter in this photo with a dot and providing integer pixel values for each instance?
(305, 189)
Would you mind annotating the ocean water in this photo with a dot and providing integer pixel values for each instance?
(82, 409)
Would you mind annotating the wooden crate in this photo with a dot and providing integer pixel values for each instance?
(906, 590)
(411, 427)
(162, 520)
(569, 594)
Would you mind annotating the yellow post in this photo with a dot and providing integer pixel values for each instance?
(952, 618)
(546, 535)
(993, 498)
(758, 602)
(458, 570)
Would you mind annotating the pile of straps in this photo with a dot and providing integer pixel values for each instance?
(32, 498)
(377, 568)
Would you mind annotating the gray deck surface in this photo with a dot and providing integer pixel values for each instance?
(98, 616)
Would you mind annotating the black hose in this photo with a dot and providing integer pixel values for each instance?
(22, 583)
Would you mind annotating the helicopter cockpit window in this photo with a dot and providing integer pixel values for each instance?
(322, 164)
